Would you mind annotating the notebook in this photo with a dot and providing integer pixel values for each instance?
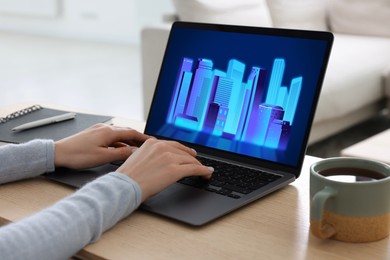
(55, 131)
(244, 98)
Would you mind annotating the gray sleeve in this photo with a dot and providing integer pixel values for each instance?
(20, 161)
(61, 230)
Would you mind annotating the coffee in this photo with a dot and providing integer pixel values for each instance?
(347, 174)
(350, 199)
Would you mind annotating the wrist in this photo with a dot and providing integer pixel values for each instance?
(58, 155)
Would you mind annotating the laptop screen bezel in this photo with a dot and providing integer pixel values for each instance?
(294, 33)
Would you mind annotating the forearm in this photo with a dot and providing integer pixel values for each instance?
(60, 231)
(20, 161)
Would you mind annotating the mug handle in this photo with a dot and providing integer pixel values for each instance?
(318, 227)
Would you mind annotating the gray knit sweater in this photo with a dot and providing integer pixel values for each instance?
(61, 230)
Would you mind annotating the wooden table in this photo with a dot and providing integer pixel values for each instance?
(376, 147)
(275, 227)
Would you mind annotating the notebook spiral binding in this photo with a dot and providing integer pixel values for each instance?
(19, 113)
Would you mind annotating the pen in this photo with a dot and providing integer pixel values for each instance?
(45, 121)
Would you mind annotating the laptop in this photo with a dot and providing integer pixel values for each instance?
(244, 98)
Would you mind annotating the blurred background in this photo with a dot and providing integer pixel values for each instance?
(78, 53)
(90, 55)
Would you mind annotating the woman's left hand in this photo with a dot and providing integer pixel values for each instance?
(97, 145)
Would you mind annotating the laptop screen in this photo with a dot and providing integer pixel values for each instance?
(247, 92)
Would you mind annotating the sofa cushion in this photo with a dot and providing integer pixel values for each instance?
(364, 17)
(243, 12)
(355, 75)
(298, 14)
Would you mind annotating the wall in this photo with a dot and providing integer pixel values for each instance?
(118, 21)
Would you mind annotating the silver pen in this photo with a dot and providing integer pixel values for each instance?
(45, 121)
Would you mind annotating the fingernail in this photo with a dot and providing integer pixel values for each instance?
(194, 150)
(211, 169)
(133, 149)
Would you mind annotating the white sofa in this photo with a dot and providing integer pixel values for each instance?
(359, 67)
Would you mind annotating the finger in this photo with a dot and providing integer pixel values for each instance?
(183, 159)
(120, 153)
(164, 146)
(183, 148)
(118, 144)
(129, 136)
(195, 170)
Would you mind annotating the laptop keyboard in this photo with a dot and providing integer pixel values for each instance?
(230, 180)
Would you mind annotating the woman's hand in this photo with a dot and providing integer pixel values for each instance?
(97, 145)
(157, 164)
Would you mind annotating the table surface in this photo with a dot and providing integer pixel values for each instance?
(375, 148)
(274, 227)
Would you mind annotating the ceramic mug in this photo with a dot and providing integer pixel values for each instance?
(350, 199)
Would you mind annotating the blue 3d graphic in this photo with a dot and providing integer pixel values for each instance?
(221, 103)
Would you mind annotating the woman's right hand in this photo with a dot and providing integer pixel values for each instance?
(158, 164)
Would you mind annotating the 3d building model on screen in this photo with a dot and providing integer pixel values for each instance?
(223, 104)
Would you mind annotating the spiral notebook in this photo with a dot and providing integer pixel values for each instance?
(54, 131)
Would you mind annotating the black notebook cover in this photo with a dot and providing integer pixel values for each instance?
(55, 131)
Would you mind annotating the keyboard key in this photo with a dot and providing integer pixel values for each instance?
(234, 196)
(237, 189)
